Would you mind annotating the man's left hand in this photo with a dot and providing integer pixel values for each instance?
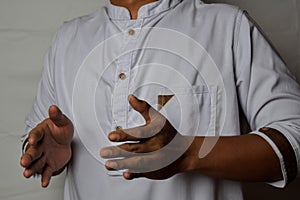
(155, 150)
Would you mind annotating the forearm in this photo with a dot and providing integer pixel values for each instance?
(241, 158)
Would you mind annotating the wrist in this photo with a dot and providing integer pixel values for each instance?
(191, 158)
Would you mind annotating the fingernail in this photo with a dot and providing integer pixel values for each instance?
(112, 165)
(106, 153)
(45, 184)
(127, 175)
(114, 137)
(130, 97)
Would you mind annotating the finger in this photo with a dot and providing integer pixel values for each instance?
(36, 134)
(154, 123)
(113, 152)
(127, 150)
(120, 135)
(46, 176)
(137, 164)
(36, 167)
(131, 149)
(58, 118)
(140, 106)
(133, 134)
(147, 131)
(27, 173)
(32, 153)
(139, 133)
(144, 109)
(130, 176)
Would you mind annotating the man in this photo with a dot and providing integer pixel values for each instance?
(195, 71)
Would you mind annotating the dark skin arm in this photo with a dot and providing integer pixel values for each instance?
(241, 158)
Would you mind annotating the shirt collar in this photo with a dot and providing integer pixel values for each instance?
(121, 13)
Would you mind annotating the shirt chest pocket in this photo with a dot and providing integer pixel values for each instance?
(191, 110)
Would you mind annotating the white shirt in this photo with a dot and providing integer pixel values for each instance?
(211, 57)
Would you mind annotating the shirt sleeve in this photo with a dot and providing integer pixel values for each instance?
(45, 95)
(269, 96)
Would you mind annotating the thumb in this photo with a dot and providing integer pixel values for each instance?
(58, 118)
(141, 106)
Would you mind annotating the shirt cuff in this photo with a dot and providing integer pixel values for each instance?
(284, 152)
(24, 138)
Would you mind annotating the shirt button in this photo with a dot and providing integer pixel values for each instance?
(122, 76)
(131, 32)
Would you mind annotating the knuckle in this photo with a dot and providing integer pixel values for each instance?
(133, 148)
(29, 157)
(143, 133)
(115, 165)
(38, 167)
(47, 128)
(154, 130)
(114, 152)
(34, 169)
(156, 146)
(139, 133)
(140, 162)
(145, 165)
(50, 170)
(134, 133)
(120, 152)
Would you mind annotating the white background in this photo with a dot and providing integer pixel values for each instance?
(26, 29)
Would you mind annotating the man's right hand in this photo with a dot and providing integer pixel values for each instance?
(49, 146)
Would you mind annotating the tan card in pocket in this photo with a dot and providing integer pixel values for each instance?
(163, 100)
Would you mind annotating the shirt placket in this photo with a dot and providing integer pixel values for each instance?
(123, 75)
